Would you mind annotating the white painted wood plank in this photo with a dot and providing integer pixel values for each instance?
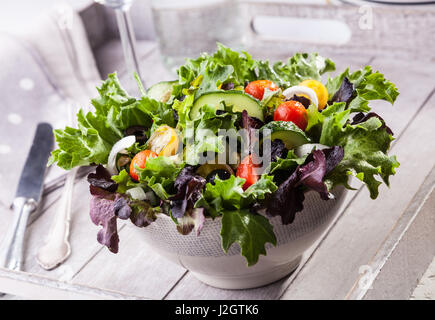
(32, 286)
(406, 252)
(136, 269)
(425, 289)
(356, 236)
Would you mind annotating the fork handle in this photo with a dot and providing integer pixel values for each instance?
(57, 248)
(11, 254)
(59, 230)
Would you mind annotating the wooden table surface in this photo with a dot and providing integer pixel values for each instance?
(373, 249)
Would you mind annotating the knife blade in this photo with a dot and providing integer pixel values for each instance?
(27, 197)
(32, 176)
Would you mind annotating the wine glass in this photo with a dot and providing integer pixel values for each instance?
(126, 32)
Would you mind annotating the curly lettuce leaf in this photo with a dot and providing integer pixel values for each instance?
(287, 163)
(159, 174)
(250, 231)
(106, 206)
(366, 145)
(301, 66)
(183, 109)
(223, 194)
(97, 132)
(102, 213)
(368, 85)
(142, 213)
(224, 66)
(125, 182)
(159, 112)
(229, 195)
(202, 134)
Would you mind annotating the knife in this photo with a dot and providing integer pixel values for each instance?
(27, 197)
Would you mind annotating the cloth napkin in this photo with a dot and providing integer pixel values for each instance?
(44, 72)
(60, 39)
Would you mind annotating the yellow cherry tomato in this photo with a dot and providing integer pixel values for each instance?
(164, 141)
(319, 89)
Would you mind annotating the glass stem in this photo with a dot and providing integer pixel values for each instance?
(128, 41)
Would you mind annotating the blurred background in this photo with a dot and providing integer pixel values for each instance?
(53, 53)
(78, 40)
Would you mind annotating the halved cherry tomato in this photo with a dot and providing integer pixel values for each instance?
(139, 161)
(256, 88)
(246, 170)
(293, 111)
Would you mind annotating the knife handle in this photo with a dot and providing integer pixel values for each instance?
(11, 255)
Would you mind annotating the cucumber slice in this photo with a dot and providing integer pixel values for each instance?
(287, 132)
(237, 99)
(161, 91)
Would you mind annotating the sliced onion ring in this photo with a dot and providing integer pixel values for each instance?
(306, 149)
(290, 92)
(122, 144)
(137, 193)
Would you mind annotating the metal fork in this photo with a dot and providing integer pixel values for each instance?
(57, 247)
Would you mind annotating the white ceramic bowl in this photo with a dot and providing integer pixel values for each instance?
(204, 257)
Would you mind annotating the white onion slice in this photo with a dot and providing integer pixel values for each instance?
(306, 149)
(122, 144)
(290, 92)
(137, 193)
(177, 158)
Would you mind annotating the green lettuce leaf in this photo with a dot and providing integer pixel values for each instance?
(369, 85)
(159, 112)
(250, 231)
(183, 110)
(365, 144)
(202, 134)
(125, 182)
(260, 189)
(229, 195)
(300, 67)
(289, 163)
(97, 132)
(224, 66)
(223, 194)
(159, 174)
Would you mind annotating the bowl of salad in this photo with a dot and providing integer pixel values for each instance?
(237, 167)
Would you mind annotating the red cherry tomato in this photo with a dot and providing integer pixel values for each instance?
(293, 111)
(256, 88)
(246, 170)
(139, 161)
